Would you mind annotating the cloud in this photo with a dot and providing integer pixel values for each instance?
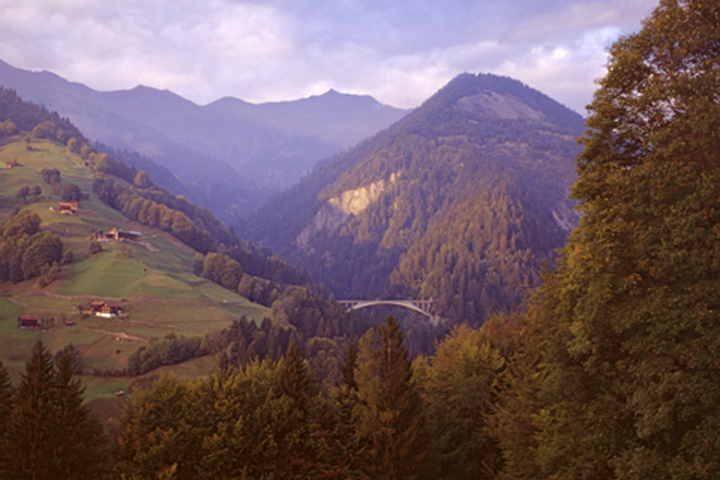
(399, 52)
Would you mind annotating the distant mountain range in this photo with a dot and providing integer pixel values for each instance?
(461, 201)
(230, 153)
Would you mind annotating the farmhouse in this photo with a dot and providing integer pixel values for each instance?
(67, 208)
(121, 235)
(28, 322)
(103, 309)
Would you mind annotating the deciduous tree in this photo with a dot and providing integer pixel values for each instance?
(633, 360)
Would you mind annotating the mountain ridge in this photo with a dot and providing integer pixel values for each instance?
(265, 146)
(462, 200)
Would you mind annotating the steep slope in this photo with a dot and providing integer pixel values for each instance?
(152, 280)
(271, 145)
(461, 201)
(191, 287)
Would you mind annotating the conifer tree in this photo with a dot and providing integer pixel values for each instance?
(82, 450)
(5, 405)
(294, 377)
(30, 427)
(390, 412)
(50, 433)
(350, 365)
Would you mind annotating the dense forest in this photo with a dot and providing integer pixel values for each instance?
(297, 306)
(611, 371)
(461, 201)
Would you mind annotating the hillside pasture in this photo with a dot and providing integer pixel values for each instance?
(156, 287)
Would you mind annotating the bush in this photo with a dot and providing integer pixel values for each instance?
(94, 248)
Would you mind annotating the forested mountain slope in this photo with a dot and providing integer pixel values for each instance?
(230, 154)
(461, 201)
(191, 287)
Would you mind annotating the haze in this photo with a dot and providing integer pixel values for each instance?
(398, 52)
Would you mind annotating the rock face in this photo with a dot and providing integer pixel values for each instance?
(335, 211)
(501, 106)
(461, 201)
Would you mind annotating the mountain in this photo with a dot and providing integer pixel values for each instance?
(239, 151)
(82, 233)
(460, 201)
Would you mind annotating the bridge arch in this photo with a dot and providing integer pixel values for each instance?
(420, 306)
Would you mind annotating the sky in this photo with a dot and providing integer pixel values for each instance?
(398, 51)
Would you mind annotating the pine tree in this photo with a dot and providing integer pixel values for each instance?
(294, 377)
(82, 450)
(350, 365)
(5, 406)
(30, 432)
(390, 412)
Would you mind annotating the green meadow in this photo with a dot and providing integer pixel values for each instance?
(157, 290)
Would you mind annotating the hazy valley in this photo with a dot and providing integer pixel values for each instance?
(175, 279)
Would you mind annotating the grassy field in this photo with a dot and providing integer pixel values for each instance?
(156, 289)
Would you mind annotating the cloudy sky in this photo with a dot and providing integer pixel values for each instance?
(399, 51)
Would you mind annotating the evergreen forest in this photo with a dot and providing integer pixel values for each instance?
(600, 364)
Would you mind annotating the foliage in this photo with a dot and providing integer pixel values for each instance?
(460, 390)
(464, 205)
(5, 412)
(142, 180)
(94, 247)
(390, 413)
(51, 176)
(27, 116)
(49, 432)
(25, 251)
(258, 290)
(223, 270)
(244, 342)
(232, 424)
(71, 192)
(168, 350)
(8, 128)
(195, 226)
(22, 193)
(626, 383)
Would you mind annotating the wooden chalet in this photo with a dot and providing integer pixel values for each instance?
(28, 322)
(118, 235)
(128, 235)
(103, 309)
(67, 208)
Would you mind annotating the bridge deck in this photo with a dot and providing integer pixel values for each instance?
(417, 305)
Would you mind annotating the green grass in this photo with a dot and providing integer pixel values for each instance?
(157, 289)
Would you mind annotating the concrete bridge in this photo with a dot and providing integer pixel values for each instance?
(423, 307)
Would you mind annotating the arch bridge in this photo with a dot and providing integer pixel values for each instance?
(423, 307)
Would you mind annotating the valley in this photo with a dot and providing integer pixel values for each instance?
(229, 155)
(563, 274)
(156, 289)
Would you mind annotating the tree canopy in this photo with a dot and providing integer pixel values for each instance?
(629, 321)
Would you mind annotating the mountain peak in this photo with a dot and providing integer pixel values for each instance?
(495, 96)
